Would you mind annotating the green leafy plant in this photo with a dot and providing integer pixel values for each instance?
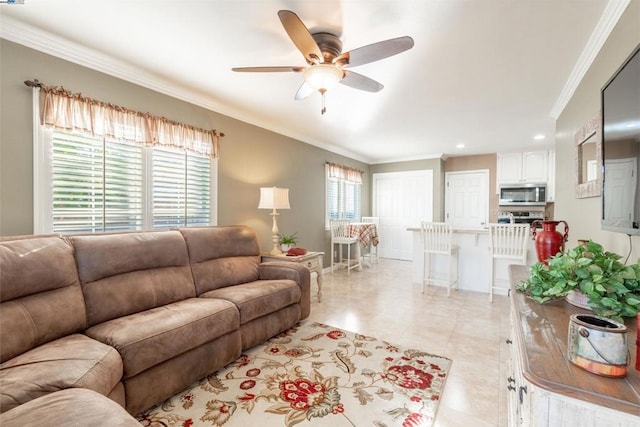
(288, 239)
(613, 288)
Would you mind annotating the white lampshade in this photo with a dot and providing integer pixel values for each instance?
(322, 76)
(274, 198)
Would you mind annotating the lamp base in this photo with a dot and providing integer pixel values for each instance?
(276, 244)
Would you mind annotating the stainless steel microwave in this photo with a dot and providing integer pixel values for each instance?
(523, 195)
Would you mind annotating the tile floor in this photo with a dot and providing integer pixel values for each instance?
(383, 302)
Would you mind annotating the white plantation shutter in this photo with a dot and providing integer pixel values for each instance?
(96, 185)
(101, 185)
(169, 189)
(198, 190)
(343, 199)
(123, 186)
(181, 189)
(351, 201)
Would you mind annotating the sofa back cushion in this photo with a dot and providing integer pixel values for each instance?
(126, 273)
(222, 256)
(40, 295)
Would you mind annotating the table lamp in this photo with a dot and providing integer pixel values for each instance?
(274, 198)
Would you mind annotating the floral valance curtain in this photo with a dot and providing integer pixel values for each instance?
(345, 173)
(64, 110)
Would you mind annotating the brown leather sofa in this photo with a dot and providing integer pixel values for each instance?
(135, 317)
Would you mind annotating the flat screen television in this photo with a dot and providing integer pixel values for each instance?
(620, 103)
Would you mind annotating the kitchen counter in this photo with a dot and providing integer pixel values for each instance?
(561, 393)
(474, 260)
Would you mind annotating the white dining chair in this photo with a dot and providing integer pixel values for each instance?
(340, 237)
(436, 240)
(373, 250)
(507, 241)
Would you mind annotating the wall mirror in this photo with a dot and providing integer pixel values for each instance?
(588, 159)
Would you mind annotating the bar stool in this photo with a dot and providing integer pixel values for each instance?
(341, 235)
(508, 241)
(436, 240)
(373, 250)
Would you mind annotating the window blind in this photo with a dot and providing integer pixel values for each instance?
(97, 185)
(169, 189)
(198, 190)
(343, 199)
(181, 189)
(101, 185)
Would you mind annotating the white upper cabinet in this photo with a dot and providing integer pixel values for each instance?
(527, 167)
(509, 168)
(535, 166)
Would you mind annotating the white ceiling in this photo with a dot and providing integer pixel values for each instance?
(489, 74)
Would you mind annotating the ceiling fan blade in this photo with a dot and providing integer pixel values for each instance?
(304, 91)
(374, 52)
(300, 36)
(358, 81)
(283, 69)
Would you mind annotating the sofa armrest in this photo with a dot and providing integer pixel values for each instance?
(292, 271)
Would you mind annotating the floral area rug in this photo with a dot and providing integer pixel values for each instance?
(315, 375)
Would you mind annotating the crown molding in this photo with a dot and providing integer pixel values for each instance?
(612, 13)
(50, 44)
(442, 156)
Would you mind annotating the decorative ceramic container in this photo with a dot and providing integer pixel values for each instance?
(549, 242)
(579, 299)
(598, 345)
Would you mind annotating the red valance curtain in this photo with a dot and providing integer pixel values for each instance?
(345, 173)
(67, 111)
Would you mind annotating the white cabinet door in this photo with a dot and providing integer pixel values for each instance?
(527, 167)
(509, 168)
(535, 167)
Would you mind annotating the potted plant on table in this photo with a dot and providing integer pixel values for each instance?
(612, 288)
(288, 241)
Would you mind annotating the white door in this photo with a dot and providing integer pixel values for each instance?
(620, 188)
(401, 200)
(466, 199)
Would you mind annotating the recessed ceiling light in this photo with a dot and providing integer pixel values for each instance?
(538, 137)
(459, 145)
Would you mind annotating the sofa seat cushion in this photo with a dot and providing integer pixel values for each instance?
(151, 337)
(259, 298)
(72, 361)
(71, 407)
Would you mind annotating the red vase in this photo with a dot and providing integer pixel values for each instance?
(548, 241)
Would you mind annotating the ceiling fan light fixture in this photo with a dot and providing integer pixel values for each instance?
(322, 77)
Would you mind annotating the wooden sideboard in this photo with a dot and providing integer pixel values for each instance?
(545, 388)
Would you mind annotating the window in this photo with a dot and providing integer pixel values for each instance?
(101, 167)
(98, 184)
(181, 189)
(343, 196)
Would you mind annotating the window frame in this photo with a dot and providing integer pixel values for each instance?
(342, 199)
(43, 185)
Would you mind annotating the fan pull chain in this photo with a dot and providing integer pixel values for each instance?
(324, 107)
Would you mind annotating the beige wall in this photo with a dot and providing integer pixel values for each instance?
(436, 165)
(251, 157)
(583, 215)
(484, 161)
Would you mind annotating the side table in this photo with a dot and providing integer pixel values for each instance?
(311, 260)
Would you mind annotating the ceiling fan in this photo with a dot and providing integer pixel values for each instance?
(327, 64)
